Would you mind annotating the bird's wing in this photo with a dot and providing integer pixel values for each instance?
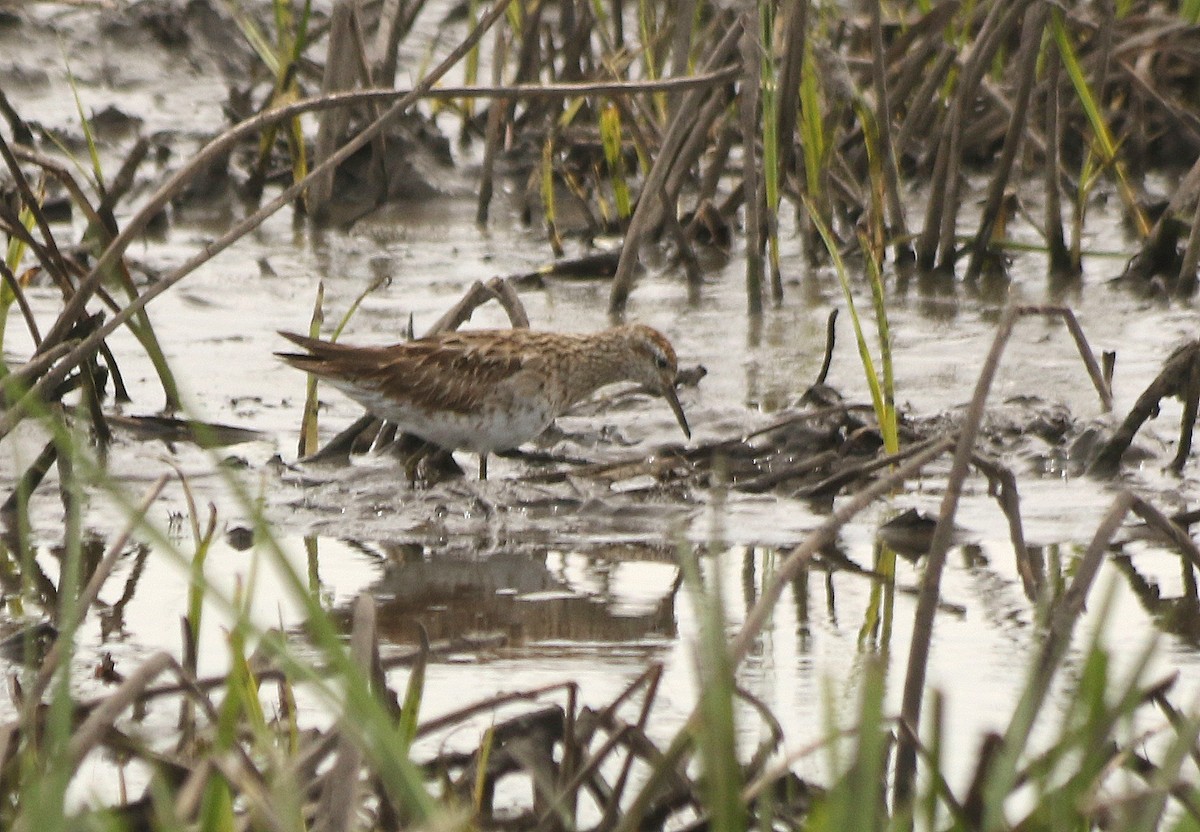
(452, 372)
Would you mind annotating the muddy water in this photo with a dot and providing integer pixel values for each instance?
(583, 580)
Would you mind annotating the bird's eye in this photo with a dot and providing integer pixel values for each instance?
(661, 362)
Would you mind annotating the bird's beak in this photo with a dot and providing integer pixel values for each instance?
(676, 408)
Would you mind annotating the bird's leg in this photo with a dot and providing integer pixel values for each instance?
(483, 466)
(413, 462)
(416, 457)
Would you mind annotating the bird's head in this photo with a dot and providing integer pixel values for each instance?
(656, 366)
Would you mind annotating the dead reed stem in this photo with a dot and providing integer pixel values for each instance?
(1026, 67)
(752, 180)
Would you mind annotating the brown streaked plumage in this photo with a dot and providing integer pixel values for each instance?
(490, 390)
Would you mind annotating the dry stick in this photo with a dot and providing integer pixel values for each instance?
(1001, 111)
(576, 31)
(395, 22)
(492, 703)
(11, 225)
(1170, 381)
(1010, 504)
(499, 289)
(771, 743)
(849, 473)
(1099, 381)
(572, 756)
(830, 342)
(1176, 117)
(1191, 403)
(251, 787)
(883, 118)
(927, 599)
(20, 130)
(683, 12)
(1102, 56)
(24, 487)
(927, 240)
(423, 90)
(696, 144)
(654, 674)
(1031, 45)
(13, 228)
(122, 182)
(646, 214)
(794, 470)
(1145, 263)
(14, 286)
(751, 173)
(271, 674)
(686, 254)
(590, 767)
(137, 224)
(54, 264)
(911, 70)
(1169, 528)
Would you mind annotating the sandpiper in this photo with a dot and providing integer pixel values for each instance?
(490, 390)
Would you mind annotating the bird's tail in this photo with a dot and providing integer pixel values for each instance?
(316, 360)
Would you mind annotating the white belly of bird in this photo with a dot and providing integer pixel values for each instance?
(498, 429)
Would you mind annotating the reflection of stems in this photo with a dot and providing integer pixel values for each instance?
(314, 567)
(799, 557)
(116, 612)
(883, 597)
(92, 591)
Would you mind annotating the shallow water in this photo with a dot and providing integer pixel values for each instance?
(586, 588)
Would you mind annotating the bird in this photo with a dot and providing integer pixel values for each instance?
(490, 390)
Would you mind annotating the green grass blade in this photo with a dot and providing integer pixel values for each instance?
(411, 709)
(549, 203)
(888, 423)
(12, 259)
(309, 434)
(255, 37)
(877, 397)
(1104, 141)
(610, 137)
(715, 734)
(812, 123)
